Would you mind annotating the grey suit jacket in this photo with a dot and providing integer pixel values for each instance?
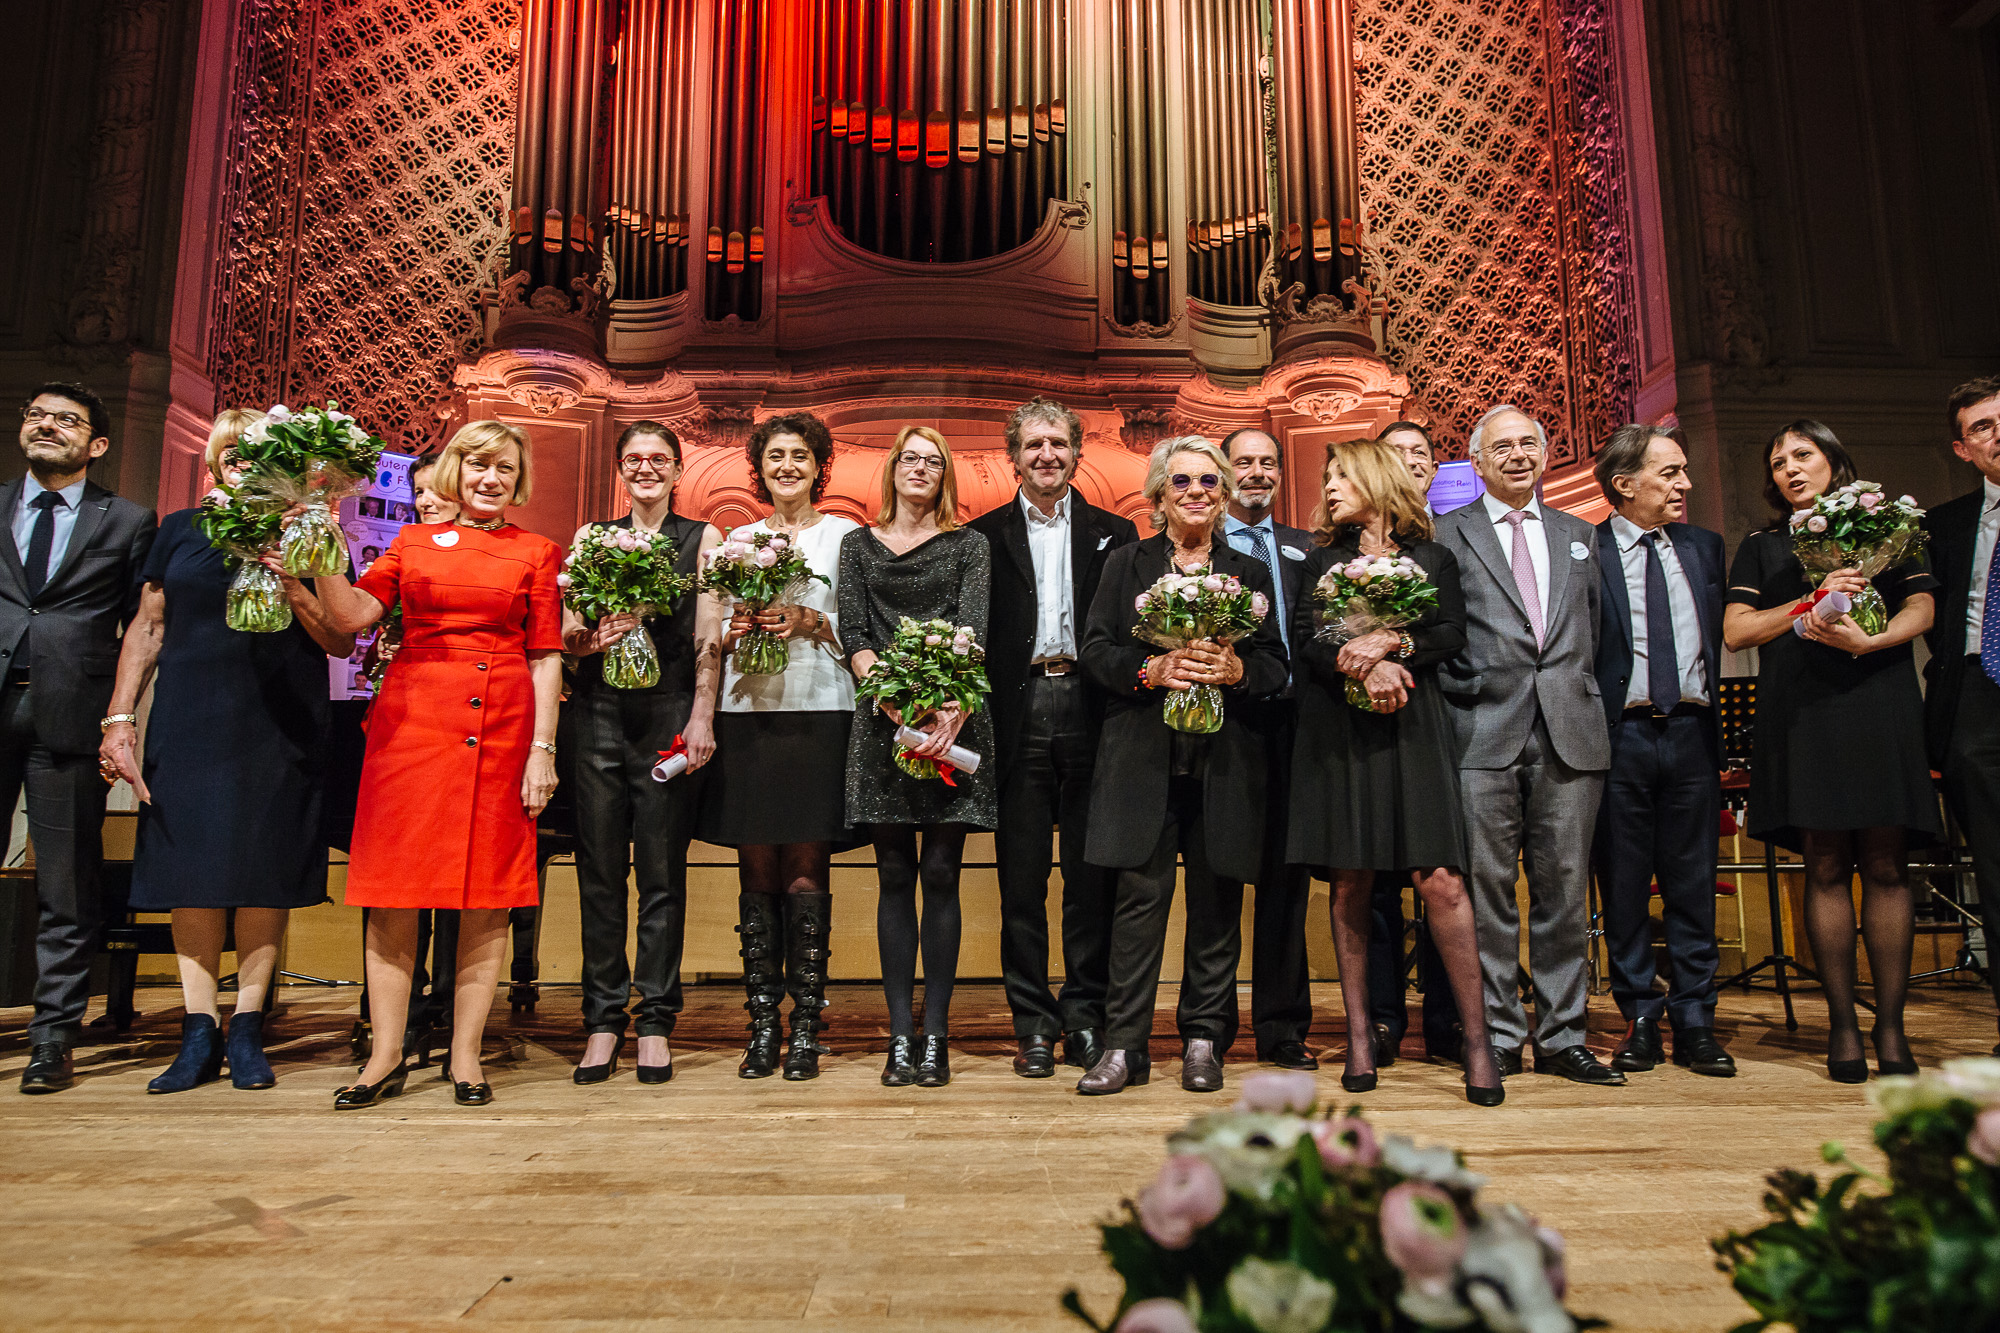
(1503, 679)
(72, 627)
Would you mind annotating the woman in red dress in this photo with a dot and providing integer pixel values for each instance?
(461, 745)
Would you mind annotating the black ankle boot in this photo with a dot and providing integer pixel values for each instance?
(808, 920)
(247, 1066)
(200, 1059)
(763, 980)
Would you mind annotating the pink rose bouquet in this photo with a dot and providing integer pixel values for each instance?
(1856, 527)
(613, 570)
(1369, 593)
(1202, 607)
(929, 665)
(756, 572)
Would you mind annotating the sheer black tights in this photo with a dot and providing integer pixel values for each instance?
(1888, 924)
(900, 868)
(792, 867)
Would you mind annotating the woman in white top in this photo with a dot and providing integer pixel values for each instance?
(776, 791)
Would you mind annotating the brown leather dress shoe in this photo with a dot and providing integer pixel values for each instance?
(1115, 1072)
(1201, 1068)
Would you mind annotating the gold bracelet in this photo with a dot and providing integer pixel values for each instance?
(550, 746)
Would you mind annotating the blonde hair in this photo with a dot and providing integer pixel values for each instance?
(947, 501)
(482, 440)
(222, 436)
(1377, 470)
(1156, 473)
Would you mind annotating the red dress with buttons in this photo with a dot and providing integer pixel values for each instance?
(440, 821)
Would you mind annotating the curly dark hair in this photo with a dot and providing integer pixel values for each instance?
(808, 428)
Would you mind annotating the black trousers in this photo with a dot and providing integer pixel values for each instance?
(625, 820)
(1046, 788)
(66, 822)
(1972, 784)
(1658, 821)
(1280, 980)
(1144, 899)
(1388, 968)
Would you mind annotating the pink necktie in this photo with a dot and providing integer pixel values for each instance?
(1524, 572)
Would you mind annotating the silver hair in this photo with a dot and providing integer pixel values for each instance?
(1156, 471)
(1478, 436)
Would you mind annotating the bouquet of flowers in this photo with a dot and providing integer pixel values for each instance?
(1370, 593)
(1917, 1251)
(313, 458)
(244, 526)
(1267, 1217)
(758, 572)
(1856, 527)
(612, 570)
(929, 664)
(1181, 609)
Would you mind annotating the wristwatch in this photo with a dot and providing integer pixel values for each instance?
(106, 724)
(550, 746)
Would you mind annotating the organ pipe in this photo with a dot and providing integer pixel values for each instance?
(1225, 151)
(646, 217)
(1141, 290)
(562, 165)
(1318, 169)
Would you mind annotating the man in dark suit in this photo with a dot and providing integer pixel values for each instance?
(1657, 666)
(1532, 742)
(1962, 706)
(1049, 546)
(69, 581)
(1280, 983)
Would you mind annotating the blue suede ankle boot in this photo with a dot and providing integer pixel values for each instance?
(199, 1061)
(247, 1066)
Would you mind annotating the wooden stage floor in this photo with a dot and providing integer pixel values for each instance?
(836, 1205)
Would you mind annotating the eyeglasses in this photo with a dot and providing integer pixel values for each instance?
(1980, 431)
(647, 463)
(913, 461)
(34, 416)
(1207, 481)
(1505, 449)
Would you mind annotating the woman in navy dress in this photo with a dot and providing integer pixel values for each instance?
(236, 749)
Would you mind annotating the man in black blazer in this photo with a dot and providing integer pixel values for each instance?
(1280, 983)
(1962, 706)
(69, 581)
(1658, 657)
(1049, 545)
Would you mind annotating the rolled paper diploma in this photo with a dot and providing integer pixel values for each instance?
(1827, 607)
(670, 768)
(960, 758)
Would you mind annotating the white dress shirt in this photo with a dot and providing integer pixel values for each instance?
(65, 515)
(1680, 603)
(1055, 614)
(1982, 560)
(1538, 542)
(816, 679)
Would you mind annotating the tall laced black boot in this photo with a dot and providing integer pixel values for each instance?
(808, 919)
(763, 979)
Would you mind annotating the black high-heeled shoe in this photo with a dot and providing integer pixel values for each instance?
(595, 1073)
(1905, 1068)
(1357, 1082)
(934, 1068)
(466, 1094)
(357, 1095)
(1479, 1096)
(1845, 1071)
(900, 1071)
(657, 1073)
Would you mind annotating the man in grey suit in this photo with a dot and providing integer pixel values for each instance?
(70, 560)
(1533, 741)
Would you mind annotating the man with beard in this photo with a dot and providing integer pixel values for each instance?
(1049, 547)
(1280, 987)
(69, 582)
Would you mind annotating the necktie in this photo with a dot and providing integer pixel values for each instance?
(1989, 620)
(1262, 550)
(1663, 668)
(1524, 572)
(41, 540)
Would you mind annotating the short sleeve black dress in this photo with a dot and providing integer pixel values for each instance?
(1839, 740)
(236, 748)
(1376, 791)
(949, 577)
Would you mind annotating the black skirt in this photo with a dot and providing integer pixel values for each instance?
(777, 778)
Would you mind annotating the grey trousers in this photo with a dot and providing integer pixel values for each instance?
(1541, 812)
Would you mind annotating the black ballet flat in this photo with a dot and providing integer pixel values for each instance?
(900, 1071)
(598, 1073)
(357, 1095)
(467, 1094)
(1358, 1082)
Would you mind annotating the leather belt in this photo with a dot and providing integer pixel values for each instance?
(1646, 711)
(1060, 666)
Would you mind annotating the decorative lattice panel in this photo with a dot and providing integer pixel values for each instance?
(1492, 186)
(371, 157)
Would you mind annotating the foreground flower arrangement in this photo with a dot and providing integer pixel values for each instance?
(1268, 1218)
(1919, 1252)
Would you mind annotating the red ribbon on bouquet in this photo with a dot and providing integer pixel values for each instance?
(944, 771)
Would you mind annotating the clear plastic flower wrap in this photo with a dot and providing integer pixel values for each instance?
(1203, 607)
(243, 526)
(614, 571)
(309, 461)
(256, 601)
(1370, 593)
(756, 572)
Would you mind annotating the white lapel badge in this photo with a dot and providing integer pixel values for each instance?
(1292, 553)
(1578, 551)
(1103, 541)
(449, 537)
